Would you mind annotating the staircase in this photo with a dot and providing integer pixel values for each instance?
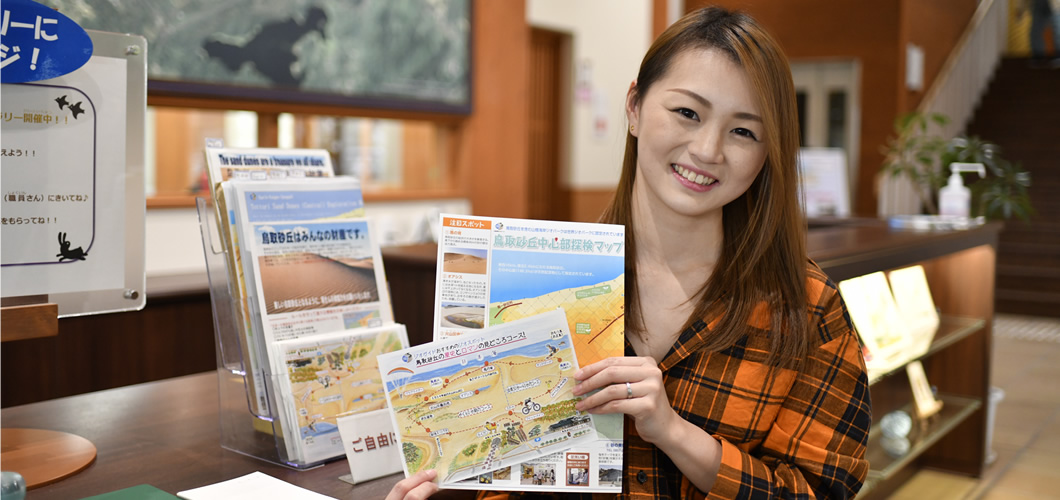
(1020, 112)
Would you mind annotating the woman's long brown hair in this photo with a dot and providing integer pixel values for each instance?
(763, 253)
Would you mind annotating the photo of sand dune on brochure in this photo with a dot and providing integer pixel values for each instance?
(303, 281)
(465, 260)
(455, 315)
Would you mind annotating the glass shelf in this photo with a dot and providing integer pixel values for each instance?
(955, 409)
(951, 330)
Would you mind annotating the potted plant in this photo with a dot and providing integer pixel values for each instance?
(925, 158)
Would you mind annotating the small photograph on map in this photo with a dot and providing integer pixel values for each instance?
(577, 477)
(502, 474)
(456, 314)
(465, 260)
(611, 475)
(539, 474)
(577, 469)
(486, 478)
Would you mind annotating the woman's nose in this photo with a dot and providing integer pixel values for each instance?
(707, 145)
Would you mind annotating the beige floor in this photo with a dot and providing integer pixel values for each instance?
(1027, 428)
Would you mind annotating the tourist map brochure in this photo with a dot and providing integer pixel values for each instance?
(324, 377)
(477, 403)
(259, 164)
(278, 200)
(310, 277)
(495, 270)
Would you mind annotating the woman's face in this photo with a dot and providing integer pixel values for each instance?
(700, 136)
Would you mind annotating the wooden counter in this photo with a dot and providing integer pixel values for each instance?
(165, 434)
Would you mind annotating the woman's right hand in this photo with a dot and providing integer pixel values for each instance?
(416, 487)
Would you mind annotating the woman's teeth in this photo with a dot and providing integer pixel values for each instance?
(700, 179)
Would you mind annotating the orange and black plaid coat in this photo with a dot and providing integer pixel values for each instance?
(783, 433)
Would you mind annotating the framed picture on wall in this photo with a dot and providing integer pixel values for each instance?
(389, 54)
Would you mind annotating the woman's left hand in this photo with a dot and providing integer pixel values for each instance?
(630, 385)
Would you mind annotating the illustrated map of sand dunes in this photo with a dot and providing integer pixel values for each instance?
(336, 376)
(498, 405)
(594, 316)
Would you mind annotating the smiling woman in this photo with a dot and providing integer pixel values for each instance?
(743, 376)
(700, 125)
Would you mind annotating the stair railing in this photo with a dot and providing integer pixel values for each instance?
(956, 92)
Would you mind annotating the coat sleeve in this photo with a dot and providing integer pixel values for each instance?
(816, 446)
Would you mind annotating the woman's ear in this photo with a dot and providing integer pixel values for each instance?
(633, 109)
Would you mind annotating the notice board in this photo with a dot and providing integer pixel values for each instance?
(72, 202)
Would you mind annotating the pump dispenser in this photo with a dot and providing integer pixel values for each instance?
(954, 198)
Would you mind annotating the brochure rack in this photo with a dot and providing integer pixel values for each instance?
(244, 429)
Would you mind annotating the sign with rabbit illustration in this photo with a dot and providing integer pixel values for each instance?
(72, 210)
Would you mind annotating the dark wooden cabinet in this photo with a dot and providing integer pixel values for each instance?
(960, 268)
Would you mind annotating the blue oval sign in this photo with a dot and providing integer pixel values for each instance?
(39, 43)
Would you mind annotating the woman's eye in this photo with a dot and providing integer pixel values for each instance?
(687, 113)
(745, 133)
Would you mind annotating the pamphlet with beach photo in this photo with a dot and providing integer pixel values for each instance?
(314, 277)
(277, 200)
(309, 268)
(492, 271)
(483, 405)
(259, 165)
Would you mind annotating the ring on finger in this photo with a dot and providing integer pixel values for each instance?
(629, 391)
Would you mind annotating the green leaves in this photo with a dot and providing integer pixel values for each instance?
(924, 158)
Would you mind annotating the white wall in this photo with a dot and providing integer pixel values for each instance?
(609, 37)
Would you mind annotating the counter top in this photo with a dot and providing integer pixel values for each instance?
(165, 434)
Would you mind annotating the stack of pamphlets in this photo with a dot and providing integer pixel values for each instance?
(306, 274)
(520, 305)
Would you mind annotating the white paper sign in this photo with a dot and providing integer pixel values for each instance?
(371, 446)
(63, 181)
(823, 173)
(913, 298)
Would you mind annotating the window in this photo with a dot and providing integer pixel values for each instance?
(393, 158)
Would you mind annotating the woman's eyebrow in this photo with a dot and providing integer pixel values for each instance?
(703, 100)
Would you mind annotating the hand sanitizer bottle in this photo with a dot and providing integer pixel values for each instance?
(955, 199)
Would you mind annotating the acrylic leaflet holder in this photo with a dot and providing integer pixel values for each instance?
(250, 423)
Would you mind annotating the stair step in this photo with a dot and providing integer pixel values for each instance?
(1028, 259)
(1020, 271)
(1027, 308)
(1020, 112)
(1028, 284)
(1028, 296)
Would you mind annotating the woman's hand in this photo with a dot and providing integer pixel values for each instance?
(628, 385)
(415, 487)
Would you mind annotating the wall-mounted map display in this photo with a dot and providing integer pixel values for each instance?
(396, 54)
